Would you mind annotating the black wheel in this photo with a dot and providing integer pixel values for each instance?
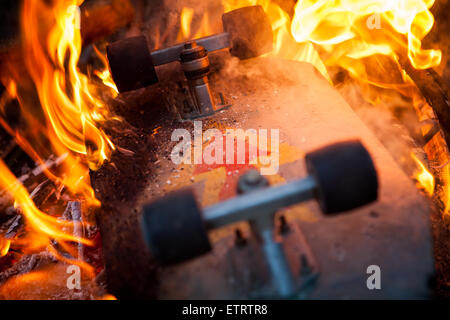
(345, 175)
(173, 228)
(250, 31)
(131, 64)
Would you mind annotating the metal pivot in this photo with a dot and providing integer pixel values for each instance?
(195, 64)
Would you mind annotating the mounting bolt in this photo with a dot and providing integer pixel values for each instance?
(284, 226)
(250, 181)
(240, 240)
(190, 45)
(305, 267)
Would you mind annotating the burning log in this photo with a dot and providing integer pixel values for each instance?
(27, 264)
(435, 91)
(73, 213)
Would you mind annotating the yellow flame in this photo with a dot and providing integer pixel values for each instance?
(38, 221)
(349, 30)
(4, 246)
(423, 176)
(65, 122)
(106, 77)
(284, 44)
(185, 23)
(55, 74)
(186, 17)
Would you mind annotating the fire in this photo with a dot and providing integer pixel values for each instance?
(105, 74)
(345, 32)
(37, 220)
(186, 17)
(63, 121)
(350, 30)
(358, 36)
(73, 117)
(4, 246)
(424, 178)
(285, 45)
(325, 33)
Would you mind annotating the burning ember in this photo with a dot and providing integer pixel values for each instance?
(63, 100)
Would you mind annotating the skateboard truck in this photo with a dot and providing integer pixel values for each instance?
(248, 33)
(195, 64)
(341, 177)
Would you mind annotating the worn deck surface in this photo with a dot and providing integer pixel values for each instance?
(393, 233)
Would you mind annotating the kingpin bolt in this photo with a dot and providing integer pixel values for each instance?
(251, 180)
(240, 240)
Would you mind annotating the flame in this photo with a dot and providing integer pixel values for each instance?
(284, 43)
(37, 220)
(186, 17)
(424, 178)
(328, 33)
(185, 23)
(4, 247)
(347, 31)
(354, 35)
(54, 71)
(63, 122)
(105, 74)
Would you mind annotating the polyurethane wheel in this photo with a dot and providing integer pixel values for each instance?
(131, 64)
(345, 175)
(250, 32)
(173, 228)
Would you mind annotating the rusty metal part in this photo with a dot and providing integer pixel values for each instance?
(247, 33)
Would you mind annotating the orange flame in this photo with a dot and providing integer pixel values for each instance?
(37, 220)
(4, 246)
(186, 17)
(284, 44)
(343, 33)
(54, 71)
(66, 125)
(424, 178)
(361, 28)
(105, 74)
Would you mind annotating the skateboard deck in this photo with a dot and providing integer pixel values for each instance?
(393, 233)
